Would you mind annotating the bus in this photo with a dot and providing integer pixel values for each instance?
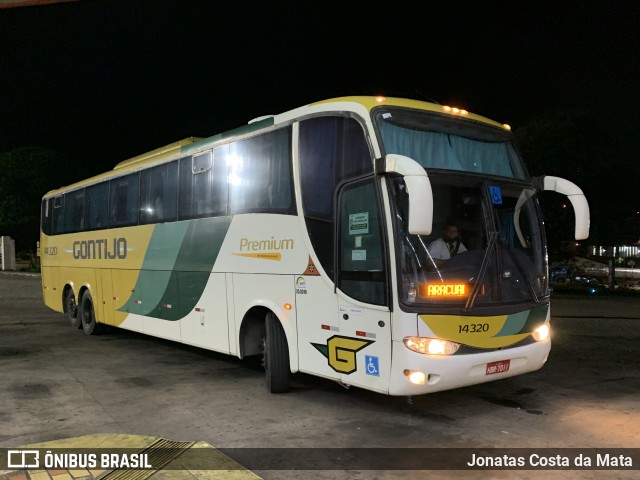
(306, 238)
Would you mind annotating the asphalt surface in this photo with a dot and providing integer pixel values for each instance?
(56, 382)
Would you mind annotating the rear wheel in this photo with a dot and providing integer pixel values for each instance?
(276, 356)
(87, 315)
(71, 309)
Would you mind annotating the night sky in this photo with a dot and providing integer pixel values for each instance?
(101, 81)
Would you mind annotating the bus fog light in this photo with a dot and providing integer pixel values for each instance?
(542, 332)
(431, 346)
(417, 378)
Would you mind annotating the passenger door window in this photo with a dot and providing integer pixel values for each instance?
(361, 247)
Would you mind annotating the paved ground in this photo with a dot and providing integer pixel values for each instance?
(55, 382)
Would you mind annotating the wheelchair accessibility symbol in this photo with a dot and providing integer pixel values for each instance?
(496, 194)
(372, 365)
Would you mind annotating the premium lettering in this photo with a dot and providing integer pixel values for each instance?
(247, 245)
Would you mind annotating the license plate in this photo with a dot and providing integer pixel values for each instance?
(498, 367)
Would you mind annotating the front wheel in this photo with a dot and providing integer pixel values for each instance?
(87, 315)
(276, 356)
(71, 309)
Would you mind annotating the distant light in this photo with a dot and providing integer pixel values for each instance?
(506, 126)
(380, 99)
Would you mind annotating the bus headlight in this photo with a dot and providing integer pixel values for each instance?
(431, 346)
(541, 333)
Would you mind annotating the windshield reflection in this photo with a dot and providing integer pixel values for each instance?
(485, 250)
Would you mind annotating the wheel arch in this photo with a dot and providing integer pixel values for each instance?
(68, 286)
(252, 331)
(97, 312)
(83, 289)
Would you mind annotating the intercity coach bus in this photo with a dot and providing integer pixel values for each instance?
(305, 238)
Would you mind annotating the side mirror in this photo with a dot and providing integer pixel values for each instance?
(577, 199)
(418, 189)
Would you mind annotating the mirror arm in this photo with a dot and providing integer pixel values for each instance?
(575, 196)
(418, 189)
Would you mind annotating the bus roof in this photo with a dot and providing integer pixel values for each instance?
(371, 102)
(191, 144)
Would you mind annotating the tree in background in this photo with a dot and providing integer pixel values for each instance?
(26, 174)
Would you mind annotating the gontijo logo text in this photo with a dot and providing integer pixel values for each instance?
(100, 249)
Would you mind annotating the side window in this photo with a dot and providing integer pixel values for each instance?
(123, 200)
(57, 221)
(203, 185)
(74, 211)
(96, 206)
(45, 216)
(332, 150)
(159, 194)
(362, 263)
(260, 177)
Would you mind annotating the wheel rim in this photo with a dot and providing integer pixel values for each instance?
(71, 305)
(87, 311)
(265, 362)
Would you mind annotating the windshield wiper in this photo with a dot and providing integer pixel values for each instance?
(522, 273)
(493, 236)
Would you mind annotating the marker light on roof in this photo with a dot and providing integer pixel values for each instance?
(506, 126)
(456, 110)
(380, 99)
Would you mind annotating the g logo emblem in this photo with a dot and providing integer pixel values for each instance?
(341, 352)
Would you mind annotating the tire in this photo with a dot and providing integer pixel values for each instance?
(71, 309)
(87, 315)
(276, 356)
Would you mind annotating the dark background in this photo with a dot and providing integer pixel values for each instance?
(84, 85)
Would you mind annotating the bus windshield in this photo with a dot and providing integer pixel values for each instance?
(447, 143)
(486, 250)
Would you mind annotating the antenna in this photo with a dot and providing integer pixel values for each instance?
(426, 97)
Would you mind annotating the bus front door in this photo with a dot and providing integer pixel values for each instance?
(363, 350)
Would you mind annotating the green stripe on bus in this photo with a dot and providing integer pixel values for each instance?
(198, 253)
(186, 254)
(523, 322)
(158, 263)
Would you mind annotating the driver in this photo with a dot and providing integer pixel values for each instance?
(447, 246)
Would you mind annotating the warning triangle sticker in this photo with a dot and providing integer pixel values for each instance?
(311, 268)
